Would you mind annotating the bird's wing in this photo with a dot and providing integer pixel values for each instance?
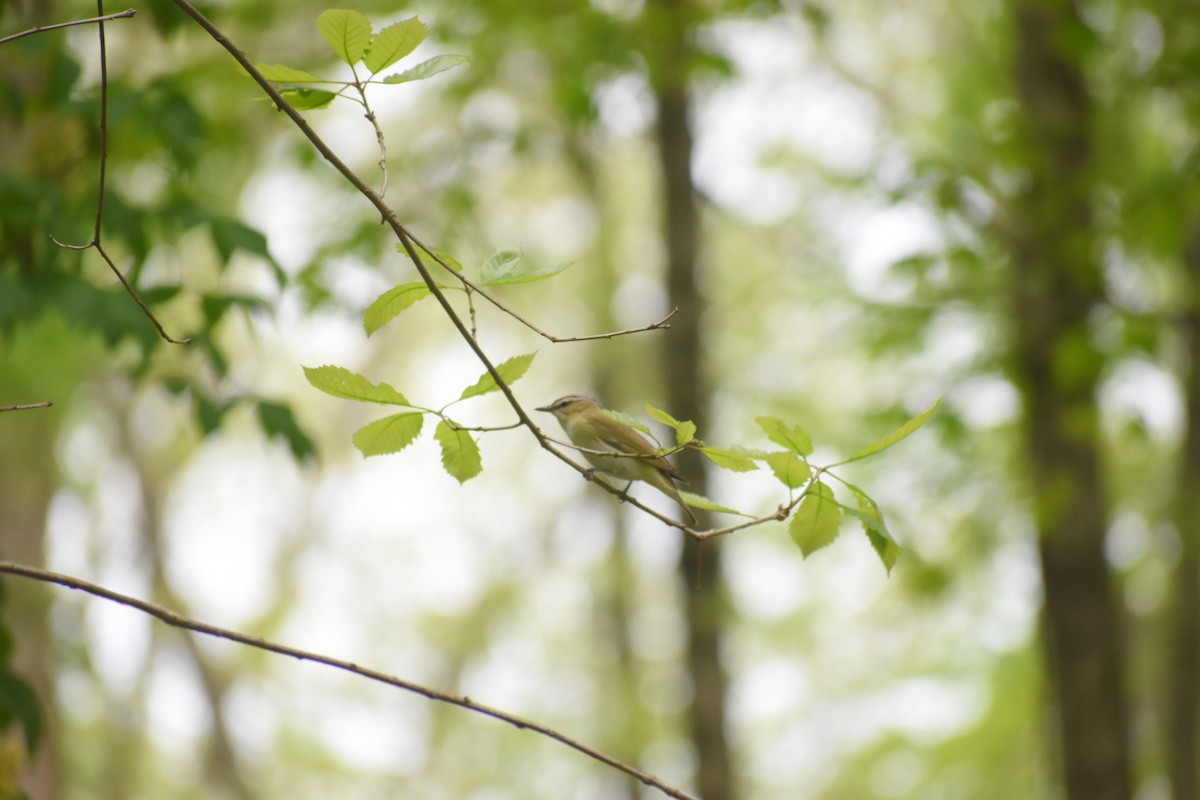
(630, 441)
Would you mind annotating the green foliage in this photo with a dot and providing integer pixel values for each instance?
(817, 521)
(390, 434)
(732, 460)
(510, 370)
(791, 470)
(501, 269)
(793, 438)
(353, 40)
(341, 382)
(460, 453)
(391, 303)
(18, 702)
(901, 433)
(685, 431)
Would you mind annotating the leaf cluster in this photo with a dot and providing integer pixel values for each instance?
(355, 42)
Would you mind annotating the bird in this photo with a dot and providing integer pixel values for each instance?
(591, 429)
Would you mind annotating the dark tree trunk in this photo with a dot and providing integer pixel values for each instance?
(1183, 700)
(1057, 284)
(687, 397)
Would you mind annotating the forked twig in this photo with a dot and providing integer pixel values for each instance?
(95, 242)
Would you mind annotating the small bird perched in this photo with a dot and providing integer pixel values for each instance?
(590, 428)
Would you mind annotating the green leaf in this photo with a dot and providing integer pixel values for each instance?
(625, 419)
(685, 430)
(278, 421)
(498, 265)
(281, 74)
(460, 453)
(348, 33)
(214, 306)
(308, 99)
(791, 470)
(662, 416)
(341, 382)
(427, 69)
(903, 432)
(19, 702)
(700, 501)
(529, 275)
(389, 304)
(874, 527)
(816, 522)
(794, 438)
(390, 434)
(395, 42)
(729, 459)
(510, 370)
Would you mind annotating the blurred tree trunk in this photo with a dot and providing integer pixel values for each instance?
(687, 394)
(26, 489)
(1183, 700)
(1057, 284)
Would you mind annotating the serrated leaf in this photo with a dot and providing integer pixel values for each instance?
(817, 521)
(903, 432)
(348, 33)
(395, 42)
(427, 69)
(700, 501)
(662, 416)
(498, 265)
(793, 438)
(460, 453)
(685, 430)
(530, 275)
(729, 459)
(791, 470)
(389, 304)
(308, 99)
(878, 535)
(625, 419)
(510, 370)
(390, 434)
(341, 382)
(284, 74)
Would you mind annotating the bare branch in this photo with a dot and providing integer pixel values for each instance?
(472, 286)
(27, 406)
(186, 623)
(95, 242)
(129, 12)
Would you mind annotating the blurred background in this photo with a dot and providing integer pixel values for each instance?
(857, 208)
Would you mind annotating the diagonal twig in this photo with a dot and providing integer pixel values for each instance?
(186, 623)
(406, 242)
(27, 406)
(12, 37)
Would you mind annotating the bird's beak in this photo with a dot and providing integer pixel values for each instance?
(542, 408)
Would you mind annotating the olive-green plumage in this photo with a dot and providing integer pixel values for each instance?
(590, 428)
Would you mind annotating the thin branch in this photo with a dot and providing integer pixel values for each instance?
(129, 12)
(402, 234)
(27, 406)
(471, 285)
(186, 623)
(409, 244)
(95, 242)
